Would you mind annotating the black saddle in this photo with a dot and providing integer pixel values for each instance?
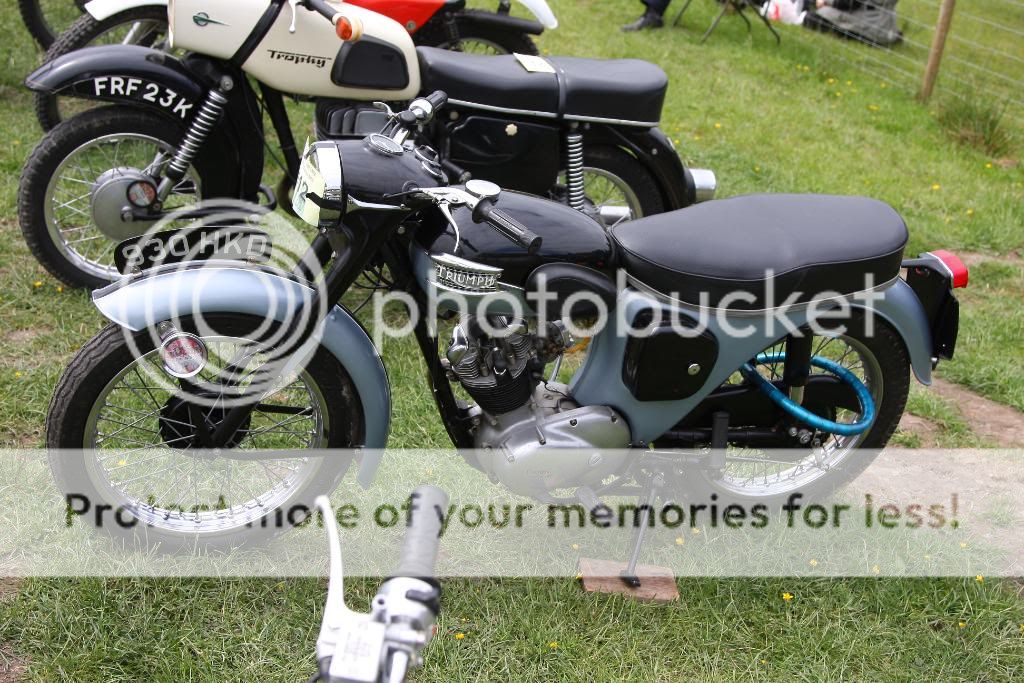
(628, 91)
(813, 245)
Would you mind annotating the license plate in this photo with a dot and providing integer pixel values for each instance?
(231, 242)
(132, 88)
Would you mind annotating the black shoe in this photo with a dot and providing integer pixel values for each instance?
(648, 20)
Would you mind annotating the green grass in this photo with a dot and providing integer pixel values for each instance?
(800, 118)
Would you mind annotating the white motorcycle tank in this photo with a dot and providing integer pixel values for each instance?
(311, 61)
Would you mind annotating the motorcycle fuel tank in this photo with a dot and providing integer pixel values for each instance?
(311, 60)
(568, 236)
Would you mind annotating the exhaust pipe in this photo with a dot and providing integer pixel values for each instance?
(704, 183)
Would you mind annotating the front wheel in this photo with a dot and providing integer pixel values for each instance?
(74, 185)
(127, 434)
(475, 37)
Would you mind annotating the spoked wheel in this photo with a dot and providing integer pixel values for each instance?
(879, 360)
(144, 26)
(135, 434)
(617, 187)
(476, 38)
(47, 19)
(75, 187)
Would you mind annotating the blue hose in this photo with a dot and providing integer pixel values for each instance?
(867, 404)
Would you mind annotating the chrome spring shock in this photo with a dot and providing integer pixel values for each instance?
(205, 119)
(574, 170)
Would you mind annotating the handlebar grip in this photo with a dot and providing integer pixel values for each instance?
(322, 8)
(423, 535)
(437, 99)
(508, 226)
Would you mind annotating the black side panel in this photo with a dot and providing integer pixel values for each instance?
(664, 365)
(516, 154)
(370, 63)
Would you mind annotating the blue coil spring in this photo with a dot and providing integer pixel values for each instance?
(798, 412)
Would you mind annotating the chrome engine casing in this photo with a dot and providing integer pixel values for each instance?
(551, 443)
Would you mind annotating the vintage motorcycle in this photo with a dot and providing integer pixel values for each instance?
(584, 131)
(446, 24)
(658, 384)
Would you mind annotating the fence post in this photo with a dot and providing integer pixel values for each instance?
(931, 71)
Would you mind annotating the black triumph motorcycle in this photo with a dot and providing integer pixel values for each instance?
(579, 130)
(207, 362)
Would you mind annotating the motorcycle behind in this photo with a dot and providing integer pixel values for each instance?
(204, 359)
(579, 130)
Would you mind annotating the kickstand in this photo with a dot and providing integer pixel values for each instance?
(654, 485)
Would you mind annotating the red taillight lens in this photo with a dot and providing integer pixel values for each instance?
(344, 29)
(957, 270)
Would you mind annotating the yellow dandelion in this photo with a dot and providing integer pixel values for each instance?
(696, 137)
(936, 186)
(676, 141)
(122, 462)
(813, 563)
(979, 578)
(460, 636)
(807, 68)
(60, 290)
(37, 284)
(831, 81)
(579, 577)
(1022, 628)
(764, 661)
(839, 93)
(17, 142)
(718, 125)
(757, 169)
(787, 597)
(876, 569)
(970, 212)
(873, 107)
(696, 532)
(885, 85)
(963, 545)
(962, 624)
(17, 373)
(575, 546)
(988, 165)
(849, 82)
(553, 645)
(680, 540)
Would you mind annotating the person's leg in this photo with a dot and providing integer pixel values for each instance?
(652, 16)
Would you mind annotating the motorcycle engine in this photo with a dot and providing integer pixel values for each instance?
(532, 437)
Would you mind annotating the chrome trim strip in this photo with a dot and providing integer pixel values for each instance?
(549, 115)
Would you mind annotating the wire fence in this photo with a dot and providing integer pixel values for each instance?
(982, 63)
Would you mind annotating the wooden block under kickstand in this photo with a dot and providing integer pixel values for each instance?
(657, 584)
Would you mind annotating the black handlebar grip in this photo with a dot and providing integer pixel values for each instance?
(508, 226)
(428, 505)
(437, 99)
(322, 8)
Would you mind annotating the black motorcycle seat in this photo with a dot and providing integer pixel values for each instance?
(628, 91)
(811, 246)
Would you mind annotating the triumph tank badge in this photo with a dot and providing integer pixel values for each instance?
(459, 275)
(203, 19)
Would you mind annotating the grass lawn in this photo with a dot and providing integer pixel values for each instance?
(799, 118)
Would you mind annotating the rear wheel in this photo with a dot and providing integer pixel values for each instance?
(879, 360)
(73, 188)
(126, 435)
(476, 38)
(618, 188)
(145, 26)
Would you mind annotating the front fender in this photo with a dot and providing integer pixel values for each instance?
(164, 293)
(104, 9)
(125, 74)
(541, 10)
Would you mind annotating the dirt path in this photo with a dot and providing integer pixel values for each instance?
(994, 423)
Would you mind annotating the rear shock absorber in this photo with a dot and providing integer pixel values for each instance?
(574, 170)
(202, 125)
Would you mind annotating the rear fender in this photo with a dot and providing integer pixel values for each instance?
(541, 10)
(104, 9)
(899, 306)
(652, 148)
(165, 293)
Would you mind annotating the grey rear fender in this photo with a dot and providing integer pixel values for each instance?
(221, 287)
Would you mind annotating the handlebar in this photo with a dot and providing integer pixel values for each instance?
(506, 225)
(419, 554)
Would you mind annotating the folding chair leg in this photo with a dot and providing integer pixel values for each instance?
(714, 24)
(764, 19)
(680, 15)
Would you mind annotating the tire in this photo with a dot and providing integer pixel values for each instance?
(492, 39)
(59, 144)
(893, 366)
(39, 25)
(84, 32)
(619, 167)
(85, 381)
